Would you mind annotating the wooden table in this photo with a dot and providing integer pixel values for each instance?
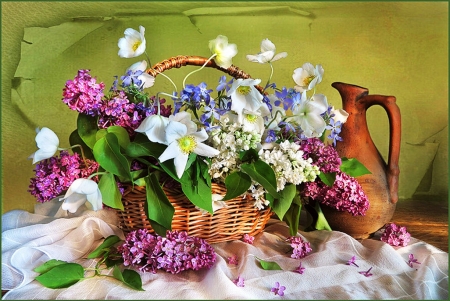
(424, 219)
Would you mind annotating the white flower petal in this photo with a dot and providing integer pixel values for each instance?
(73, 202)
(205, 150)
(154, 126)
(278, 56)
(180, 162)
(339, 115)
(175, 130)
(172, 151)
(133, 43)
(224, 52)
(267, 45)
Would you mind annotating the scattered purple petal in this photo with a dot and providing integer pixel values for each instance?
(412, 260)
(233, 260)
(248, 238)
(278, 289)
(367, 273)
(239, 281)
(352, 261)
(300, 269)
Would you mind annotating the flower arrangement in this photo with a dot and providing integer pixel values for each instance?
(272, 146)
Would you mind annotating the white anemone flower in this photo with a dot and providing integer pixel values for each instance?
(181, 142)
(146, 79)
(267, 53)
(154, 127)
(244, 96)
(224, 52)
(79, 192)
(133, 44)
(339, 115)
(307, 114)
(252, 122)
(47, 142)
(307, 77)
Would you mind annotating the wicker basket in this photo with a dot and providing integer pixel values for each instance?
(230, 223)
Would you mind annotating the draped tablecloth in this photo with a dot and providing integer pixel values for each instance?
(29, 239)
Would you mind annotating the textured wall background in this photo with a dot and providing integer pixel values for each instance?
(392, 48)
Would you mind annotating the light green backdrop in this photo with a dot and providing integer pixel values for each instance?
(391, 48)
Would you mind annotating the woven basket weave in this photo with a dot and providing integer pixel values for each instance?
(239, 217)
(229, 223)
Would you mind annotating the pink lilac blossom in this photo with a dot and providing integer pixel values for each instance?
(239, 281)
(395, 236)
(174, 253)
(300, 269)
(346, 194)
(300, 247)
(248, 239)
(352, 261)
(83, 93)
(367, 273)
(233, 260)
(278, 289)
(53, 176)
(324, 156)
(412, 260)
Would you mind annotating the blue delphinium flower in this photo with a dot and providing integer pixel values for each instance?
(335, 127)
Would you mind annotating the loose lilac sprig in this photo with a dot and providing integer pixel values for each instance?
(367, 273)
(412, 260)
(248, 238)
(239, 281)
(300, 269)
(352, 261)
(278, 289)
(233, 260)
(300, 247)
(395, 235)
(174, 253)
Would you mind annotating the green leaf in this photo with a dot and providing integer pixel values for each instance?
(159, 208)
(236, 183)
(328, 178)
(249, 155)
(121, 134)
(321, 223)
(128, 277)
(283, 203)
(104, 247)
(111, 195)
(107, 154)
(200, 195)
(87, 129)
(100, 134)
(353, 167)
(141, 146)
(75, 139)
(269, 265)
(262, 173)
(47, 266)
(292, 217)
(61, 276)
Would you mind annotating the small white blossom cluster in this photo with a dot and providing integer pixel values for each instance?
(288, 164)
(257, 193)
(229, 140)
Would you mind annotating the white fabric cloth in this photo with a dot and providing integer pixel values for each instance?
(31, 239)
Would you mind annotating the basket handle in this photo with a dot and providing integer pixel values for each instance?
(191, 60)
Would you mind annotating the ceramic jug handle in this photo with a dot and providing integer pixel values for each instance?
(393, 112)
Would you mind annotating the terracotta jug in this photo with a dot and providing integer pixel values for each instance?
(381, 186)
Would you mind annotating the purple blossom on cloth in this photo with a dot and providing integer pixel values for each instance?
(300, 269)
(53, 176)
(174, 253)
(233, 260)
(248, 238)
(300, 248)
(83, 93)
(351, 261)
(346, 194)
(278, 289)
(412, 260)
(367, 273)
(395, 236)
(239, 281)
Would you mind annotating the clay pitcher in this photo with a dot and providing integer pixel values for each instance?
(381, 186)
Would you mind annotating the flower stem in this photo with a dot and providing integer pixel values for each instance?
(270, 77)
(82, 153)
(192, 72)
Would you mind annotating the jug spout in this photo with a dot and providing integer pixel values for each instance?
(349, 91)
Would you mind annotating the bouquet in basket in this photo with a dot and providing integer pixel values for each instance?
(271, 146)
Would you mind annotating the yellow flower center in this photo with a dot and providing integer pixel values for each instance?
(308, 80)
(187, 144)
(136, 45)
(251, 118)
(244, 90)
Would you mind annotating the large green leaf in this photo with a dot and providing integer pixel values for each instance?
(141, 146)
(262, 173)
(281, 205)
(129, 277)
(87, 129)
(111, 195)
(328, 178)
(236, 183)
(200, 194)
(159, 208)
(104, 247)
(122, 135)
(48, 265)
(321, 223)
(353, 167)
(107, 154)
(61, 276)
(292, 216)
(75, 139)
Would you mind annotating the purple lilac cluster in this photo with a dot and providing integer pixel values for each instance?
(300, 248)
(53, 176)
(83, 93)
(395, 236)
(174, 253)
(324, 156)
(346, 194)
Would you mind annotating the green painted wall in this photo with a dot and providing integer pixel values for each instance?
(391, 48)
